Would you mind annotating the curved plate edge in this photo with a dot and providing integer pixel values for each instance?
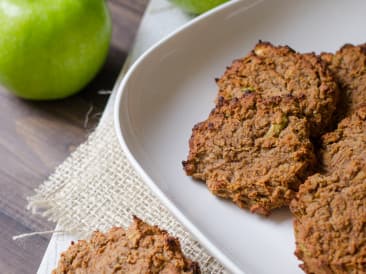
(211, 248)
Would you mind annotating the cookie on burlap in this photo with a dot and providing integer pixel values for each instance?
(139, 249)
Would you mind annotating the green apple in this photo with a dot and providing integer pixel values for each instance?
(51, 49)
(197, 6)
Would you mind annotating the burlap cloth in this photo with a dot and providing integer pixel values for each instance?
(97, 188)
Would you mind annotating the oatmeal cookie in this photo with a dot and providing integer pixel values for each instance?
(253, 151)
(348, 66)
(330, 221)
(346, 143)
(139, 249)
(277, 71)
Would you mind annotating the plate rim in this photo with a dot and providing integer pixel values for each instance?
(196, 233)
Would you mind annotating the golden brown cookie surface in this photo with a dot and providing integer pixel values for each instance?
(348, 66)
(277, 71)
(346, 143)
(253, 151)
(330, 221)
(139, 249)
(330, 208)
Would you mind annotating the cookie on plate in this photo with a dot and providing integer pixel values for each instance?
(253, 151)
(348, 66)
(139, 249)
(330, 221)
(346, 143)
(277, 71)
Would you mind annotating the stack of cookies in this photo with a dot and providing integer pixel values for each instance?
(255, 147)
(330, 207)
(290, 129)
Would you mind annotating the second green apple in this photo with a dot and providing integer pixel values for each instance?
(197, 6)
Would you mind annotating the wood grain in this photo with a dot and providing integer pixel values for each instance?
(37, 136)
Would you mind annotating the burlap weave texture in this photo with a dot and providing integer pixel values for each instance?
(97, 188)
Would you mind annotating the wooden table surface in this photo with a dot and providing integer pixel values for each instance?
(37, 136)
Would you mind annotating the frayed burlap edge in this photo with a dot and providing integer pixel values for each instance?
(97, 188)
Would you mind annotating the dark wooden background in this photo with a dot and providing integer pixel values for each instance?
(37, 136)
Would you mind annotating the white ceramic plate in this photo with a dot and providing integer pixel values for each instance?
(171, 87)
